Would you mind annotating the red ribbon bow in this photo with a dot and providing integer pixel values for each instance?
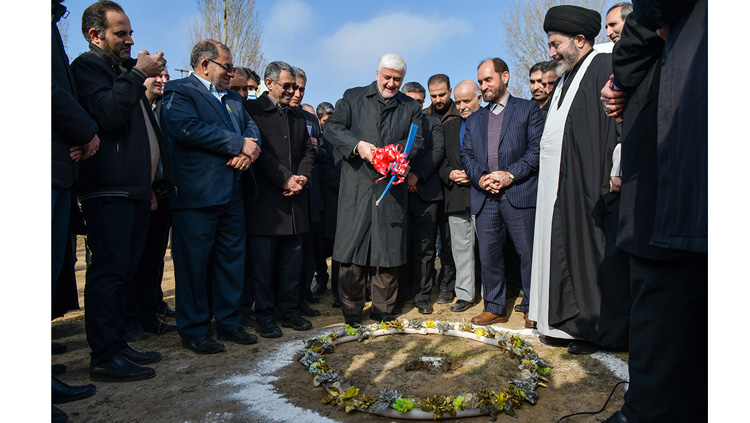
(390, 159)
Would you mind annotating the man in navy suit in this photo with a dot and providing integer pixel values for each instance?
(500, 154)
(212, 141)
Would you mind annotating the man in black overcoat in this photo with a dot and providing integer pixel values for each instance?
(279, 216)
(371, 239)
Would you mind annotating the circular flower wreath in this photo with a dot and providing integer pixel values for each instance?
(391, 403)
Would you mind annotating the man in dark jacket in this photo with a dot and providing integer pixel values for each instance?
(500, 153)
(661, 64)
(145, 300)
(73, 138)
(425, 195)
(468, 99)
(115, 186)
(443, 108)
(371, 239)
(278, 218)
(212, 143)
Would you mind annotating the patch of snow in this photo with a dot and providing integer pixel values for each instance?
(616, 365)
(258, 392)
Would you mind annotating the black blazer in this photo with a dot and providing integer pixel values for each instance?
(456, 196)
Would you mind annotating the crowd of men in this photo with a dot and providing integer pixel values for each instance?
(578, 197)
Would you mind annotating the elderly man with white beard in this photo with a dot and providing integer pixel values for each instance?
(579, 279)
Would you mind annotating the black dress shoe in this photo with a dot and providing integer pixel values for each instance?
(158, 326)
(518, 308)
(335, 302)
(164, 310)
(239, 336)
(353, 321)
(311, 298)
(582, 347)
(319, 288)
(618, 417)
(424, 307)
(445, 297)
(58, 348)
(140, 357)
(58, 416)
(134, 332)
(248, 318)
(58, 369)
(382, 317)
(307, 311)
(296, 322)
(461, 305)
(267, 328)
(554, 342)
(118, 369)
(62, 392)
(203, 345)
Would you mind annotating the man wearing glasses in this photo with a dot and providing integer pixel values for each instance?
(213, 141)
(279, 217)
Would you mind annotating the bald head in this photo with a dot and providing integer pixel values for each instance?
(468, 97)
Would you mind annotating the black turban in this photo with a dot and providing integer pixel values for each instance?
(573, 20)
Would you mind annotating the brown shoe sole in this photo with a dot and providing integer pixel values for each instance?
(500, 319)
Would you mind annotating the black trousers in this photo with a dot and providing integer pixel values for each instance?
(668, 341)
(117, 229)
(417, 277)
(446, 279)
(275, 268)
(145, 293)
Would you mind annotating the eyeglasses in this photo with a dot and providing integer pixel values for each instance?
(228, 68)
(288, 86)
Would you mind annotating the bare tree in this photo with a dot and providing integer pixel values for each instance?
(526, 41)
(234, 23)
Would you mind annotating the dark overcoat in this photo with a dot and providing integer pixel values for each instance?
(366, 233)
(71, 124)
(456, 196)
(426, 164)
(287, 150)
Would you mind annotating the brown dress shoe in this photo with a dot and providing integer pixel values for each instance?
(529, 324)
(487, 318)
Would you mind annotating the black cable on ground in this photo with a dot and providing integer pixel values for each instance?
(594, 412)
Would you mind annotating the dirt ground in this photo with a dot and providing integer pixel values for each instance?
(262, 383)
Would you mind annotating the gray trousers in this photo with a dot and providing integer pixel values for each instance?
(463, 241)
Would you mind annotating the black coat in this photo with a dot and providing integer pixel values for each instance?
(122, 166)
(366, 233)
(427, 163)
(328, 166)
(637, 68)
(457, 199)
(286, 150)
(681, 208)
(71, 125)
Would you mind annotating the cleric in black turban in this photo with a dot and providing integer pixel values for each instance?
(573, 20)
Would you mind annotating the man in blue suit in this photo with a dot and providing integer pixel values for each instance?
(212, 141)
(500, 154)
